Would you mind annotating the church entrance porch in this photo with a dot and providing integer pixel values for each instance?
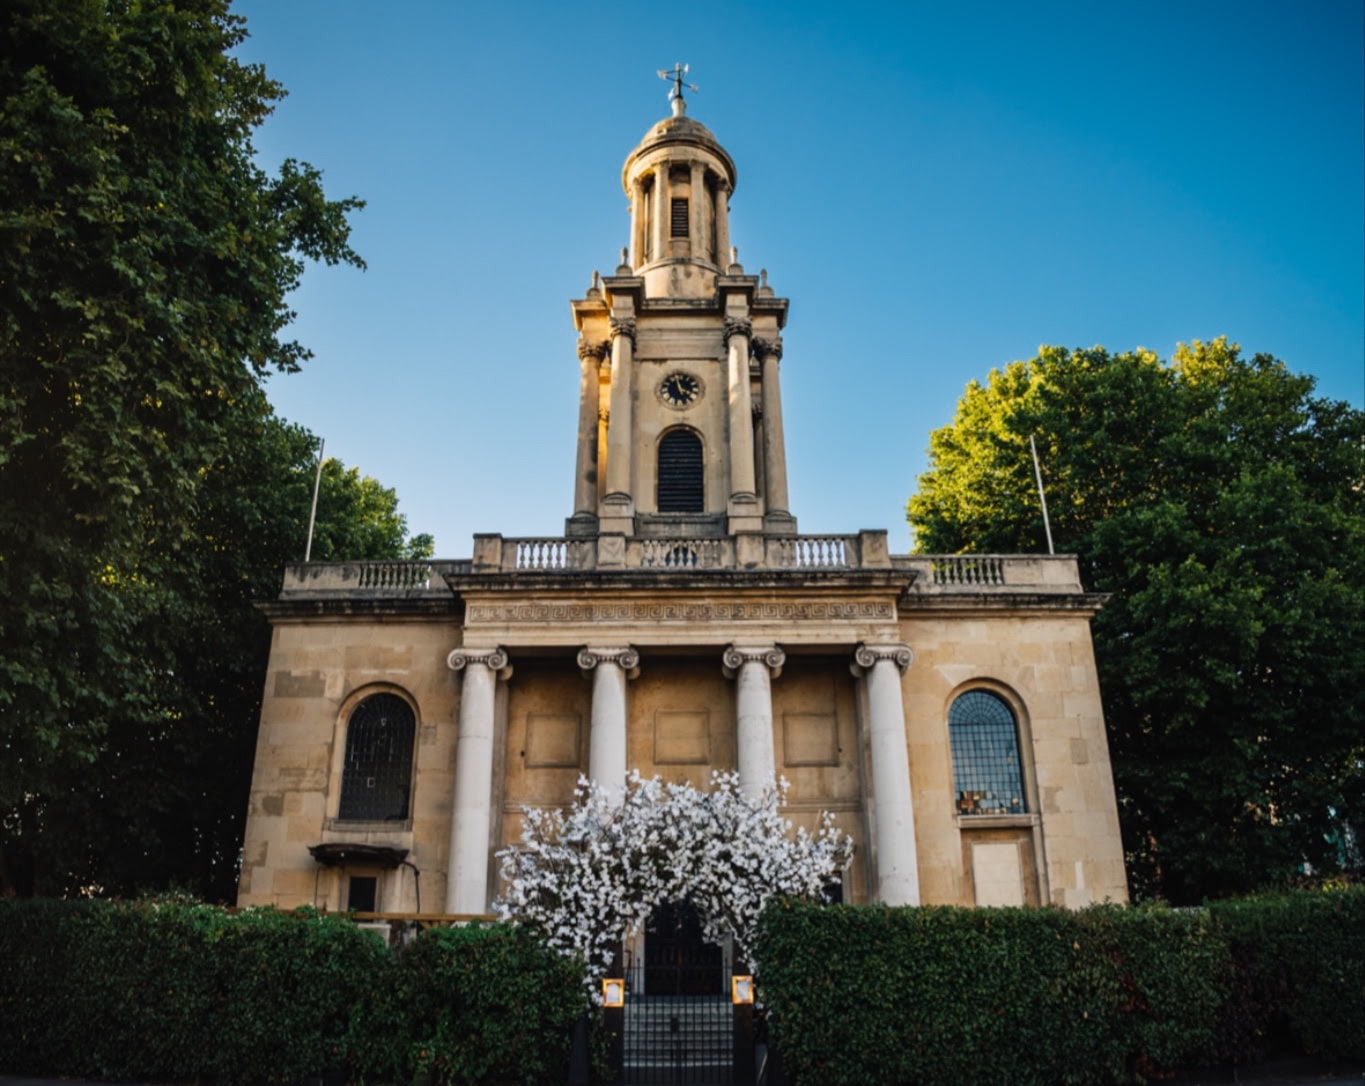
(679, 1024)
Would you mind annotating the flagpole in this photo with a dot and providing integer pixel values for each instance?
(1042, 500)
(313, 510)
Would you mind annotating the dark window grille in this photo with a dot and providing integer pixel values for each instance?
(377, 776)
(681, 486)
(679, 220)
(986, 772)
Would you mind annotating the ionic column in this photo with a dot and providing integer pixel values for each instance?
(663, 211)
(607, 738)
(737, 331)
(619, 421)
(753, 670)
(590, 355)
(881, 668)
(470, 814)
(722, 222)
(769, 353)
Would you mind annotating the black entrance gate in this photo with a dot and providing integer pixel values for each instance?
(679, 1025)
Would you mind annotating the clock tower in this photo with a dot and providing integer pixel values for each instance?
(680, 408)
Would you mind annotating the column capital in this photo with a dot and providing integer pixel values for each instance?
(736, 656)
(593, 348)
(626, 658)
(737, 326)
(495, 659)
(865, 656)
(623, 326)
(766, 348)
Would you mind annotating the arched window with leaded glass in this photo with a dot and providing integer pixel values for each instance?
(376, 779)
(988, 778)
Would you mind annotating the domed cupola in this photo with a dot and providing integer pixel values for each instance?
(679, 181)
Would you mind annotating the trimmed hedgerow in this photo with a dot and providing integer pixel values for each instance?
(158, 991)
(949, 995)
(483, 1003)
(1300, 972)
(172, 992)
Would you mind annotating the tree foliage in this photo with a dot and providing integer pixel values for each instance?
(1223, 505)
(147, 493)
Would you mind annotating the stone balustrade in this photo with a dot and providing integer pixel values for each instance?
(813, 552)
(680, 554)
(936, 574)
(383, 578)
(943, 574)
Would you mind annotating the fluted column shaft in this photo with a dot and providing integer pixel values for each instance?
(607, 736)
(471, 811)
(897, 863)
(585, 469)
(619, 422)
(774, 445)
(741, 410)
(753, 670)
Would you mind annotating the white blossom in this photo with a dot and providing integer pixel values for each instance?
(585, 877)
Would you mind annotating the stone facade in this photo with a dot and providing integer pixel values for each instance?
(683, 625)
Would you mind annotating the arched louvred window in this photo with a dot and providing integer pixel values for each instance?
(377, 777)
(681, 484)
(987, 776)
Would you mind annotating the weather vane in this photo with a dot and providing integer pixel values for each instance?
(675, 76)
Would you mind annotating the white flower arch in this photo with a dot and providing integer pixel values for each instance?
(587, 876)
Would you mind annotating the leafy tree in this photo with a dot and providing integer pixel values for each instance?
(147, 495)
(162, 802)
(1223, 505)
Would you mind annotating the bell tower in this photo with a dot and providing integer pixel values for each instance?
(680, 407)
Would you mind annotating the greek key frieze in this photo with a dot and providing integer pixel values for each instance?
(677, 611)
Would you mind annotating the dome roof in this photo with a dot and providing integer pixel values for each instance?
(680, 130)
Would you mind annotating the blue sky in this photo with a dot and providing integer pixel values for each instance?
(938, 188)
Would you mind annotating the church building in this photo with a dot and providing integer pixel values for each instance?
(945, 708)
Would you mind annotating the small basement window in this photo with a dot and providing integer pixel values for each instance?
(362, 891)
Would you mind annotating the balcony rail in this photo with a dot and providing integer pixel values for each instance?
(813, 552)
(379, 578)
(681, 553)
(540, 553)
(401, 575)
(936, 574)
(943, 574)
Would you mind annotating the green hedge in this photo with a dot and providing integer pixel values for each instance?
(1109, 994)
(474, 1004)
(166, 991)
(1300, 976)
(161, 992)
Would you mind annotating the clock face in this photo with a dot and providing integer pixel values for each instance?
(680, 389)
